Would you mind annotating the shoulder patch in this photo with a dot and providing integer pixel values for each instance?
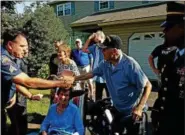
(5, 60)
(12, 69)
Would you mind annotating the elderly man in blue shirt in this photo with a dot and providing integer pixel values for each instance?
(128, 86)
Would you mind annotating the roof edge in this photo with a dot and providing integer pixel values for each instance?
(84, 24)
(146, 19)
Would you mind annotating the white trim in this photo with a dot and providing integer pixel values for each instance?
(63, 6)
(104, 1)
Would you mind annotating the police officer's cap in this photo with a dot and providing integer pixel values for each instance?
(175, 14)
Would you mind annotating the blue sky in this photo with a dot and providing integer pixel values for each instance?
(20, 6)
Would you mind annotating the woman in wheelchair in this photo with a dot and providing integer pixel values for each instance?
(63, 118)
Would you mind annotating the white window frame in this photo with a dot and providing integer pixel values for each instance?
(63, 6)
(104, 1)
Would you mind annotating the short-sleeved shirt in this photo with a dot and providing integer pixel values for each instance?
(97, 57)
(81, 58)
(161, 52)
(125, 82)
(9, 69)
(71, 67)
(21, 99)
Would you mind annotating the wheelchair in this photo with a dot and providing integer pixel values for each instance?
(101, 117)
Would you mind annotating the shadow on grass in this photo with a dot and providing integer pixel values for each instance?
(35, 118)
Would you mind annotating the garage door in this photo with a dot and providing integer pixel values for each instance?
(140, 47)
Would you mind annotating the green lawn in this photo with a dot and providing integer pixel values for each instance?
(40, 107)
(36, 110)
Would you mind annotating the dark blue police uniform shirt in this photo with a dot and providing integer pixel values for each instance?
(9, 69)
(81, 58)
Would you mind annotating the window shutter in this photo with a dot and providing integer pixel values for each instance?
(111, 4)
(96, 6)
(73, 8)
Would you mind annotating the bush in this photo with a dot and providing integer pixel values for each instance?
(44, 71)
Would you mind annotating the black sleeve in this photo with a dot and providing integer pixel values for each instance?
(157, 51)
(52, 66)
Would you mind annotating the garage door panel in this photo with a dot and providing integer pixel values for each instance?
(140, 47)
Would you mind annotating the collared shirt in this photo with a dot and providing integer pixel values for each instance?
(97, 57)
(125, 82)
(81, 58)
(69, 121)
(21, 99)
(9, 69)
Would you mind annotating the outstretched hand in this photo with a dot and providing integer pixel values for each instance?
(37, 97)
(68, 77)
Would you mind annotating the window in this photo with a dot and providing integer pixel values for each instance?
(103, 4)
(64, 9)
(149, 36)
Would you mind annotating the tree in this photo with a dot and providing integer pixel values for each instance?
(43, 29)
(8, 6)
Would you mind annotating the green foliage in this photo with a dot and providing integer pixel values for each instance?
(42, 28)
(8, 6)
(44, 71)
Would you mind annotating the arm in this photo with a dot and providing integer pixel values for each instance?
(137, 111)
(84, 76)
(152, 64)
(25, 80)
(146, 93)
(25, 92)
(87, 43)
(138, 78)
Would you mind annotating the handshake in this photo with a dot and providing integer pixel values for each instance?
(66, 77)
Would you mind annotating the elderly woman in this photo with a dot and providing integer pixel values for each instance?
(65, 63)
(63, 117)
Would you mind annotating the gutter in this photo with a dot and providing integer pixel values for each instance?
(146, 19)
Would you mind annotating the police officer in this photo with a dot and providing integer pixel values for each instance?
(171, 94)
(159, 52)
(14, 46)
(18, 112)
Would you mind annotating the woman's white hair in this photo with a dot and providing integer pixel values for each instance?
(100, 33)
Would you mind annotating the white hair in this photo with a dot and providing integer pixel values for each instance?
(101, 34)
(80, 41)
